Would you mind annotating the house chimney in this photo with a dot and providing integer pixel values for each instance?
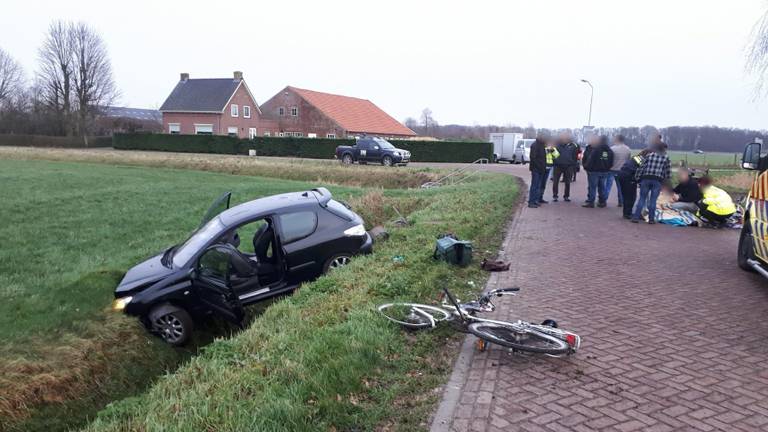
(238, 76)
(184, 76)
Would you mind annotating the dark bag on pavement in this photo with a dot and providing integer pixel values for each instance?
(494, 266)
(452, 250)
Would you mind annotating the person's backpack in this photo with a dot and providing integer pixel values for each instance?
(452, 250)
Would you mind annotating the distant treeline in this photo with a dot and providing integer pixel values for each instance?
(707, 138)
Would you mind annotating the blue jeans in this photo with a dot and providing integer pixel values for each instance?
(596, 182)
(609, 183)
(536, 190)
(649, 193)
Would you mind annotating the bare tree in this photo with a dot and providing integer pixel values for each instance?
(11, 78)
(427, 121)
(92, 79)
(757, 55)
(55, 74)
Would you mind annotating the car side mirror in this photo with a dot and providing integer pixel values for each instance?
(750, 160)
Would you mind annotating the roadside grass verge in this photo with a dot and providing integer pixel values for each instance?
(69, 232)
(323, 359)
(306, 170)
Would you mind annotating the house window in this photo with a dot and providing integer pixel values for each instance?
(232, 131)
(203, 129)
(294, 111)
(281, 134)
(174, 128)
(251, 133)
(234, 111)
(332, 136)
(281, 111)
(246, 111)
(311, 135)
(266, 133)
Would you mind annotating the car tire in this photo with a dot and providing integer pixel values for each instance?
(347, 159)
(495, 159)
(386, 161)
(746, 248)
(172, 323)
(336, 261)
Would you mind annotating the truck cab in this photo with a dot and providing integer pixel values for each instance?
(753, 241)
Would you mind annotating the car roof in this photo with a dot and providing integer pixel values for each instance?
(273, 204)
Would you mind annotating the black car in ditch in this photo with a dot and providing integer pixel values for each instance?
(241, 255)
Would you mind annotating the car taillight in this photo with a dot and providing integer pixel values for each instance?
(355, 231)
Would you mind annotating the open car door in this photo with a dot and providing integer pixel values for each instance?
(212, 283)
(219, 205)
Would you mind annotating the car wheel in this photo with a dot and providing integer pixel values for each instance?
(336, 261)
(746, 247)
(386, 161)
(495, 159)
(171, 323)
(346, 159)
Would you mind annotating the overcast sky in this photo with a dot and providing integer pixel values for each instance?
(657, 62)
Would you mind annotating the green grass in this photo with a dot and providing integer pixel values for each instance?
(70, 231)
(711, 159)
(320, 357)
(323, 359)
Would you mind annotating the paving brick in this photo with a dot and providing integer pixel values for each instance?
(672, 331)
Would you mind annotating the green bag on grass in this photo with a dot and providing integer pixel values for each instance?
(453, 251)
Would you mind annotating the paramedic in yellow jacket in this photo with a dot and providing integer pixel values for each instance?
(552, 154)
(716, 205)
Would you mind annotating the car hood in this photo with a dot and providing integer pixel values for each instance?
(149, 271)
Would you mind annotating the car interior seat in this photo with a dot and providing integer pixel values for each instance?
(262, 241)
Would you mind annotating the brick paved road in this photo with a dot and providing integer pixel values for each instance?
(675, 336)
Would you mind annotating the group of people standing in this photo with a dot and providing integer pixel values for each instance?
(649, 171)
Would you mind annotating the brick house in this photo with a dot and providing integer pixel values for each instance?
(214, 106)
(312, 114)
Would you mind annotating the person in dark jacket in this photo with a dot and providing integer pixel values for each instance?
(538, 167)
(652, 173)
(565, 165)
(597, 162)
(687, 192)
(627, 182)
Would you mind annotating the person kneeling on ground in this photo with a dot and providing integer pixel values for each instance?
(716, 206)
(597, 162)
(538, 168)
(627, 182)
(686, 193)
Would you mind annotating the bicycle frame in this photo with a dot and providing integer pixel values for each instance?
(484, 303)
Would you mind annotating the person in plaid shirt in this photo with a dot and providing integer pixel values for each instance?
(654, 171)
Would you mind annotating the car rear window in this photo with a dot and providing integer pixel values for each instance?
(340, 210)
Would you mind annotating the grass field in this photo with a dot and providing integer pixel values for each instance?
(710, 159)
(72, 229)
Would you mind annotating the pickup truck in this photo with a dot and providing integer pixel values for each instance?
(374, 150)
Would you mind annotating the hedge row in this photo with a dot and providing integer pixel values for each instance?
(314, 148)
(54, 141)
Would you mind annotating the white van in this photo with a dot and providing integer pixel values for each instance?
(504, 145)
(523, 151)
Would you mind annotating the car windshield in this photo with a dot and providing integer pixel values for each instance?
(383, 143)
(197, 240)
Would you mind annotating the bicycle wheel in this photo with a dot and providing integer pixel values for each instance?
(519, 339)
(413, 315)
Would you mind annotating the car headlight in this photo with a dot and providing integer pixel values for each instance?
(119, 304)
(397, 153)
(355, 231)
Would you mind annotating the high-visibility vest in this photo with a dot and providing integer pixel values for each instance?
(718, 201)
(552, 155)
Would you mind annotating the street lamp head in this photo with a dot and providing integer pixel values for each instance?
(583, 80)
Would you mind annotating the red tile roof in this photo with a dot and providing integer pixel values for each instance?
(353, 114)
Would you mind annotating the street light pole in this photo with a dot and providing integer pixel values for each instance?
(591, 96)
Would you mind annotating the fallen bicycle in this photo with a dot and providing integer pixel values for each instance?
(545, 338)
